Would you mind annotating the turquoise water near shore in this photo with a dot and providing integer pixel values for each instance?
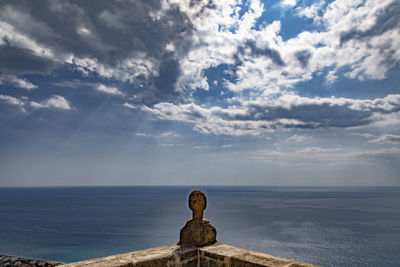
(329, 226)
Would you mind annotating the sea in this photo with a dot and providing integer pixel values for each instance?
(328, 226)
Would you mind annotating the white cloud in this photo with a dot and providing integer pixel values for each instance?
(290, 3)
(143, 134)
(127, 105)
(214, 43)
(168, 134)
(56, 101)
(390, 102)
(305, 156)
(387, 138)
(12, 100)
(165, 134)
(297, 138)
(83, 31)
(108, 89)
(127, 70)
(212, 120)
(17, 82)
(311, 11)
(286, 111)
(97, 86)
(386, 119)
(366, 135)
(199, 147)
(170, 145)
(13, 37)
(313, 156)
(226, 146)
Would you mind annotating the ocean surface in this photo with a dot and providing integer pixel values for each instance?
(329, 226)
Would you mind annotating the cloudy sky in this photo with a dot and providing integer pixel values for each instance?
(177, 92)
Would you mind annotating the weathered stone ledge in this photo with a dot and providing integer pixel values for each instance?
(13, 261)
(174, 255)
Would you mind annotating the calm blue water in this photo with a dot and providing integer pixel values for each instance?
(329, 226)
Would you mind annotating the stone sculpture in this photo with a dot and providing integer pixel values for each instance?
(197, 232)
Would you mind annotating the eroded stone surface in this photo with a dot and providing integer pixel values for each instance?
(172, 255)
(225, 255)
(197, 232)
(217, 255)
(12, 261)
(197, 203)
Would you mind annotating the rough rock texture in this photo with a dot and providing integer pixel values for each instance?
(197, 232)
(225, 255)
(210, 256)
(171, 255)
(11, 261)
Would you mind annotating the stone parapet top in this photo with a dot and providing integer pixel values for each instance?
(154, 256)
(234, 256)
(215, 255)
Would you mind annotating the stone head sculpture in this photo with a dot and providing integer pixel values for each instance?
(197, 203)
(197, 232)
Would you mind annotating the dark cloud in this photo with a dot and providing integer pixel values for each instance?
(16, 60)
(117, 29)
(203, 6)
(108, 31)
(194, 114)
(313, 116)
(303, 57)
(163, 86)
(387, 19)
(168, 74)
(272, 54)
(267, 52)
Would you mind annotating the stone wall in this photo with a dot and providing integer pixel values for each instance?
(174, 255)
(12, 261)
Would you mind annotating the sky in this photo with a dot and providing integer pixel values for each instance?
(200, 92)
